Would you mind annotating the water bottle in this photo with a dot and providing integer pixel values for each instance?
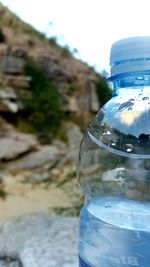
(114, 166)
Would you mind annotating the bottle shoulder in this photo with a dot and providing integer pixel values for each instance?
(123, 124)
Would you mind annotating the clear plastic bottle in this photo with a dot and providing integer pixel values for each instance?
(114, 166)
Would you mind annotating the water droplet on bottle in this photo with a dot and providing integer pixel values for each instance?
(145, 98)
(125, 105)
(108, 133)
(107, 206)
(121, 174)
(129, 147)
(131, 100)
(113, 143)
(140, 78)
(121, 177)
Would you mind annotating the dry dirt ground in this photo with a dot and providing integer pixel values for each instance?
(18, 197)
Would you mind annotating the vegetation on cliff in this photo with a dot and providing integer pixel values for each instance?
(60, 85)
(42, 106)
(103, 90)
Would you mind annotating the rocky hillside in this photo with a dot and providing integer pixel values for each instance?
(76, 81)
(46, 98)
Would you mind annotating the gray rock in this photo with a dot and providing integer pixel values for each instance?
(16, 231)
(55, 70)
(8, 93)
(88, 100)
(46, 156)
(72, 104)
(39, 176)
(74, 135)
(94, 99)
(18, 51)
(12, 65)
(9, 106)
(8, 100)
(17, 81)
(3, 49)
(61, 145)
(5, 127)
(40, 240)
(53, 248)
(14, 144)
(8, 262)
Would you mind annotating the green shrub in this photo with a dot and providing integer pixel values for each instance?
(66, 51)
(42, 105)
(53, 40)
(2, 36)
(103, 91)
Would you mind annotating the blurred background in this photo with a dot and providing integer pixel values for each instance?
(47, 98)
(54, 60)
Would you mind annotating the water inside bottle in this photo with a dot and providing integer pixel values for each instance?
(115, 220)
(113, 233)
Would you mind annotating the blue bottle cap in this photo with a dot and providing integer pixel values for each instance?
(130, 55)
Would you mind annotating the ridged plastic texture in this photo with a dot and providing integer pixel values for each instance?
(130, 55)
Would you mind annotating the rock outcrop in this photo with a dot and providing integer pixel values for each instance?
(39, 240)
(61, 66)
(44, 157)
(8, 100)
(12, 65)
(31, 172)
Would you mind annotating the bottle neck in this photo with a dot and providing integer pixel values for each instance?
(130, 82)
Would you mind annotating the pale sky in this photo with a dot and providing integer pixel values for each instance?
(91, 26)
